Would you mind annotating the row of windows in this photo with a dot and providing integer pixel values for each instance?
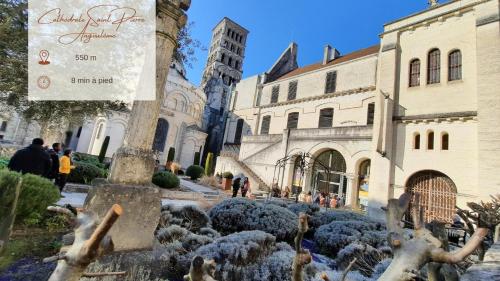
(234, 35)
(434, 68)
(330, 86)
(230, 61)
(181, 106)
(232, 47)
(325, 119)
(445, 141)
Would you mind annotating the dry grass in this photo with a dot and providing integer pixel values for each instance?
(209, 181)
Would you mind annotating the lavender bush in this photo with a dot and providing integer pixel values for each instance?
(189, 217)
(331, 238)
(239, 214)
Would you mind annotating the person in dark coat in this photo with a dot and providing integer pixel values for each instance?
(236, 186)
(32, 159)
(54, 157)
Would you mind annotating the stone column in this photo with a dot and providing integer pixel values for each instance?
(129, 183)
(134, 162)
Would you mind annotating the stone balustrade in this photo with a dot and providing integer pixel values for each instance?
(338, 133)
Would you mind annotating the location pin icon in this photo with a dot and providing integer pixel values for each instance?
(44, 56)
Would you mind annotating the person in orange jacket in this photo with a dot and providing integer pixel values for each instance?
(65, 167)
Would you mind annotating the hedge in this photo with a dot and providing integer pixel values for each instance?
(166, 180)
(85, 172)
(36, 195)
(195, 172)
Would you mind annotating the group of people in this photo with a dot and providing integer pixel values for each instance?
(244, 186)
(323, 199)
(54, 164)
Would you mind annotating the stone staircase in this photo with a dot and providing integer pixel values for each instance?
(262, 185)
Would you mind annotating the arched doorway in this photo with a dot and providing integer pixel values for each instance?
(160, 135)
(328, 173)
(437, 195)
(363, 183)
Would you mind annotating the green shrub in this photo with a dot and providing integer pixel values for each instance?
(4, 161)
(209, 162)
(36, 195)
(195, 172)
(166, 180)
(228, 175)
(89, 159)
(171, 154)
(104, 148)
(196, 158)
(86, 172)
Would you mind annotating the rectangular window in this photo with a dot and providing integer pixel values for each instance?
(293, 120)
(3, 127)
(371, 114)
(434, 67)
(415, 73)
(331, 82)
(275, 94)
(455, 66)
(326, 118)
(292, 90)
(239, 131)
(266, 122)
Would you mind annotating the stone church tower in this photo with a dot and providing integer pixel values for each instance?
(224, 69)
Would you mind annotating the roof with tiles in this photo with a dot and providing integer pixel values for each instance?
(351, 56)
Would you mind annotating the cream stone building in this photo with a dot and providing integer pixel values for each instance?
(419, 112)
(179, 125)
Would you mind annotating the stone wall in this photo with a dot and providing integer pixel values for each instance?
(8, 150)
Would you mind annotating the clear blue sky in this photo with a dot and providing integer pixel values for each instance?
(346, 25)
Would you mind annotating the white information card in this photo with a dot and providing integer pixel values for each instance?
(92, 50)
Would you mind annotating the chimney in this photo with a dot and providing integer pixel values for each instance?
(330, 54)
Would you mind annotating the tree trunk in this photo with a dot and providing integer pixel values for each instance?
(411, 255)
(134, 162)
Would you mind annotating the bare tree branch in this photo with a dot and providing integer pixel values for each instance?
(440, 255)
(347, 269)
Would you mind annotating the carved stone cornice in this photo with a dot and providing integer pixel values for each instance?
(171, 9)
(437, 117)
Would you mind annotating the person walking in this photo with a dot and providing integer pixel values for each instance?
(54, 157)
(65, 167)
(334, 202)
(31, 160)
(236, 186)
(245, 188)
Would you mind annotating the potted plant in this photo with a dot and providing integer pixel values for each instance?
(227, 180)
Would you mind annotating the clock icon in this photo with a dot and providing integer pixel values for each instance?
(43, 82)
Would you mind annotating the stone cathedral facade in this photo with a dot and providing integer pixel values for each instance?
(419, 112)
(224, 68)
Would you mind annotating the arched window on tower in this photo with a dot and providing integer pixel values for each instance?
(455, 65)
(223, 57)
(416, 141)
(434, 67)
(430, 140)
(445, 141)
(237, 65)
(230, 61)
